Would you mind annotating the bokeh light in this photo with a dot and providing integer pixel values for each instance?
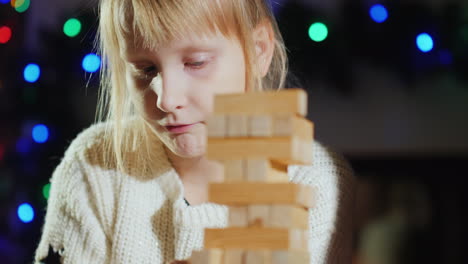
(445, 57)
(318, 32)
(91, 62)
(20, 5)
(23, 145)
(424, 42)
(5, 34)
(464, 33)
(378, 13)
(72, 27)
(40, 133)
(46, 191)
(32, 72)
(25, 213)
(4, 1)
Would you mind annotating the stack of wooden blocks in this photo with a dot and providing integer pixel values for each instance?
(256, 136)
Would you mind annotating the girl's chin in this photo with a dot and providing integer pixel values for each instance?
(188, 146)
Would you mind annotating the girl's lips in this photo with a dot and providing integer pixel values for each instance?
(179, 129)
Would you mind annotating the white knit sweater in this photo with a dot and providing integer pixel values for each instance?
(101, 215)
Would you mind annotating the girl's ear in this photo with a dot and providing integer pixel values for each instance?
(263, 37)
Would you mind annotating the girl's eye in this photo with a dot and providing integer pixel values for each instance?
(145, 73)
(149, 70)
(196, 65)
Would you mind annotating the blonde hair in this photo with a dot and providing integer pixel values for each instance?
(159, 21)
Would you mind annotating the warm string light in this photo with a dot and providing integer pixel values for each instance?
(5, 34)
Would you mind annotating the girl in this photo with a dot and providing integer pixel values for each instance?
(132, 189)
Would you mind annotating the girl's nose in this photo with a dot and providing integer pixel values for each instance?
(170, 96)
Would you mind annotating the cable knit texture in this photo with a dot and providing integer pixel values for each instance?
(100, 215)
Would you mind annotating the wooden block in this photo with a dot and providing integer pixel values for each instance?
(260, 126)
(258, 215)
(306, 149)
(292, 101)
(288, 125)
(285, 150)
(238, 216)
(291, 256)
(264, 170)
(298, 239)
(234, 256)
(237, 125)
(234, 170)
(217, 126)
(275, 216)
(284, 216)
(258, 257)
(207, 256)
(246, 193)
(255, 238)
(277, 257)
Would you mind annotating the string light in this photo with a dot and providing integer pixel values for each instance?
(424, 42)
(46, 191)
(72, 27)
(20, 5)
(32, 72)
(40, 133)
(378, 13)
(5, 34)
(25, 213)
(318, 32)
(91, 62)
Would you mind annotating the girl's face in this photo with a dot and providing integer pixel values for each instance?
(192, 70)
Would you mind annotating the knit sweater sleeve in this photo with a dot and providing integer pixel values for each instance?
(72, 231)
(330, 221)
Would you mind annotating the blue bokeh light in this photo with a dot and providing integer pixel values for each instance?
(4, 1)
(378, 13)
(425, 42)
(40, 133)
(25, 213)
(91, 62)
(445, 57)
(32, 72)
(23, 145)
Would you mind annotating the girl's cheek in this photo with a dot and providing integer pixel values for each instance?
(150, 104)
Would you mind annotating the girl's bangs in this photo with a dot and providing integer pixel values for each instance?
(150, 23)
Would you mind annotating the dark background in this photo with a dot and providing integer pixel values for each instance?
(397, 114)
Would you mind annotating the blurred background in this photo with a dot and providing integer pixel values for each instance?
(387, 84)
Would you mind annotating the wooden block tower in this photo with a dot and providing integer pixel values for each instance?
(256, 136)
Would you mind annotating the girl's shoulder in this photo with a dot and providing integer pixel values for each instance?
(327, 165)
(89, 144)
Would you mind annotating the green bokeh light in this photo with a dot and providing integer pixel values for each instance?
(46, 190)
(464, 33)
(21, 5)
(318, 32)
(72, 27)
